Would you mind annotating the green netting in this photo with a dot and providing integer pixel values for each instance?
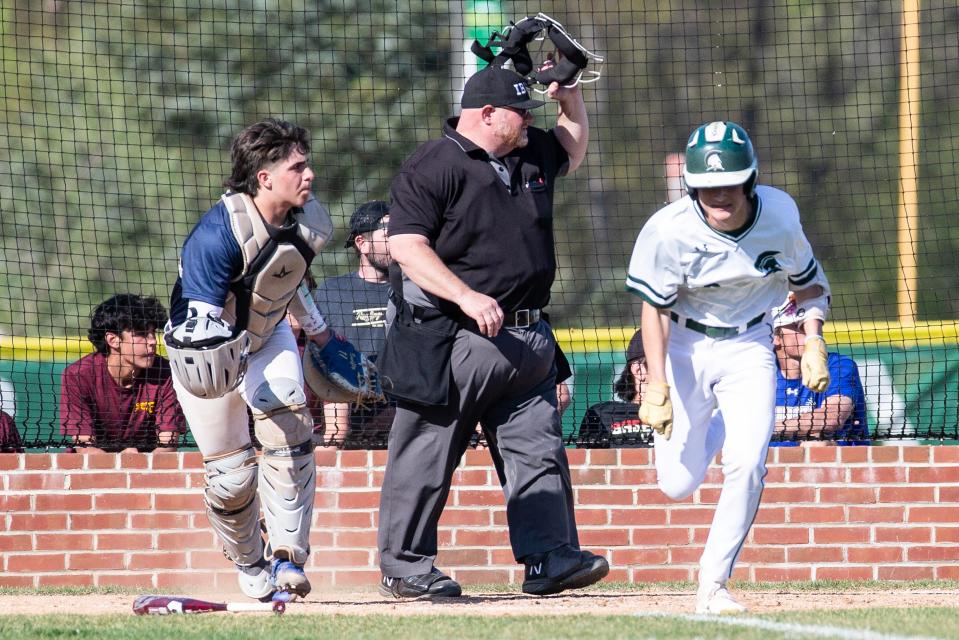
(116, 117)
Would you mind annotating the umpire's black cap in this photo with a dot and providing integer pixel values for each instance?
(366, 218)
(497, 87)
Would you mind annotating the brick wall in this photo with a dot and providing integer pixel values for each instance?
(828, 513)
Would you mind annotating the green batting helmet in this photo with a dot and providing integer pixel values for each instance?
(720, 154)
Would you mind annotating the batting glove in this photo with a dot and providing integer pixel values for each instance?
(815, 371)
(656, 409)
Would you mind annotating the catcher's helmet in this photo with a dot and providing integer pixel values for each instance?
(720, 154)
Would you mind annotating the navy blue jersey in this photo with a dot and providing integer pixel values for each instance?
(210, 259)
(793, 399)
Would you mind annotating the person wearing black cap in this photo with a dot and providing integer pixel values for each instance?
(355, 306)
(471, 233)
(616, 423)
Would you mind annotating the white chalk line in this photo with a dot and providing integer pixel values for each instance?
(819, 631)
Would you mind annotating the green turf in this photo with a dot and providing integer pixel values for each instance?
(916, 622)
(926, 622)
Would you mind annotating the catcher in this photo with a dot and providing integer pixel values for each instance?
(231, 347)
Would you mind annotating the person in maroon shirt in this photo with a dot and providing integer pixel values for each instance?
(121, 398)
(9, 436)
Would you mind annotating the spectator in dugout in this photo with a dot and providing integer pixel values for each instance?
(616, 423)
(9, 436)
(121, 398)
(355, 305)
(838, 413)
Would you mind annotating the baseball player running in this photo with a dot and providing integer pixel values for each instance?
(231, 348)
(709, 266)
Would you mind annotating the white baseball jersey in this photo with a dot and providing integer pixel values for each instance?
(720, 279)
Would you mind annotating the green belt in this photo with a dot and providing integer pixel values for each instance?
(717, 333)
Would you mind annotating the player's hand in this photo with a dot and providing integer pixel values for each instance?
(815, 371)
(484, 310)
(656, 409)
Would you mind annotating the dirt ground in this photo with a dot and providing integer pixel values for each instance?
(498, 604)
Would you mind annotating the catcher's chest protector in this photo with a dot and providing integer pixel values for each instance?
(274, 263)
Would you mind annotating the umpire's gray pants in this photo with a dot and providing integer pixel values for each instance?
(508, 385)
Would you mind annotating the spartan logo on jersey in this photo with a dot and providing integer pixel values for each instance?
(767, 263)
(714, 162)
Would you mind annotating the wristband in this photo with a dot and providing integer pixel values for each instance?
(312, 321)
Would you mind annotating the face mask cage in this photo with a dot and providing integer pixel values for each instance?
(561, 58)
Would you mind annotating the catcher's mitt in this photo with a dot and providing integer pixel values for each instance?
(340, 373)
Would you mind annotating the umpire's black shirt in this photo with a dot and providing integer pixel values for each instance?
(497, 238)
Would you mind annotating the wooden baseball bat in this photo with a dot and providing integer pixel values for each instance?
(167, 605)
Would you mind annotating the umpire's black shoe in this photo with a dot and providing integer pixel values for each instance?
(434, 584)
(561, 569)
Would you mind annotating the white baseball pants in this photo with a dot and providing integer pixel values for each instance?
(222, 425)
(737, 377)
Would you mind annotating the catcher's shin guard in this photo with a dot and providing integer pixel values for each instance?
(287, 470)
(232, 504)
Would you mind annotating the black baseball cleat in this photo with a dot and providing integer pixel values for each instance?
(434, 584)
(561, 569)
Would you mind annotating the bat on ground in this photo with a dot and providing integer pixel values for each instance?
(167, 605)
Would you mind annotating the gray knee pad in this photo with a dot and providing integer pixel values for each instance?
(284, 426)
(281, 418)
(232, 504)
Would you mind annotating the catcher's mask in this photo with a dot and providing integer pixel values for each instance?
(567, 65)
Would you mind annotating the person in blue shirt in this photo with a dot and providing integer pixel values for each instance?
(838, 413)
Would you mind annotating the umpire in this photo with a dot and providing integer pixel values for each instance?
(471, 232)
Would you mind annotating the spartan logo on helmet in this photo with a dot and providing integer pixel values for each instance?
(719, 154)
(767, 263)
(714, 162)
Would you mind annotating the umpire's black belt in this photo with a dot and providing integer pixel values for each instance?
(520, 319)
(717, 333)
